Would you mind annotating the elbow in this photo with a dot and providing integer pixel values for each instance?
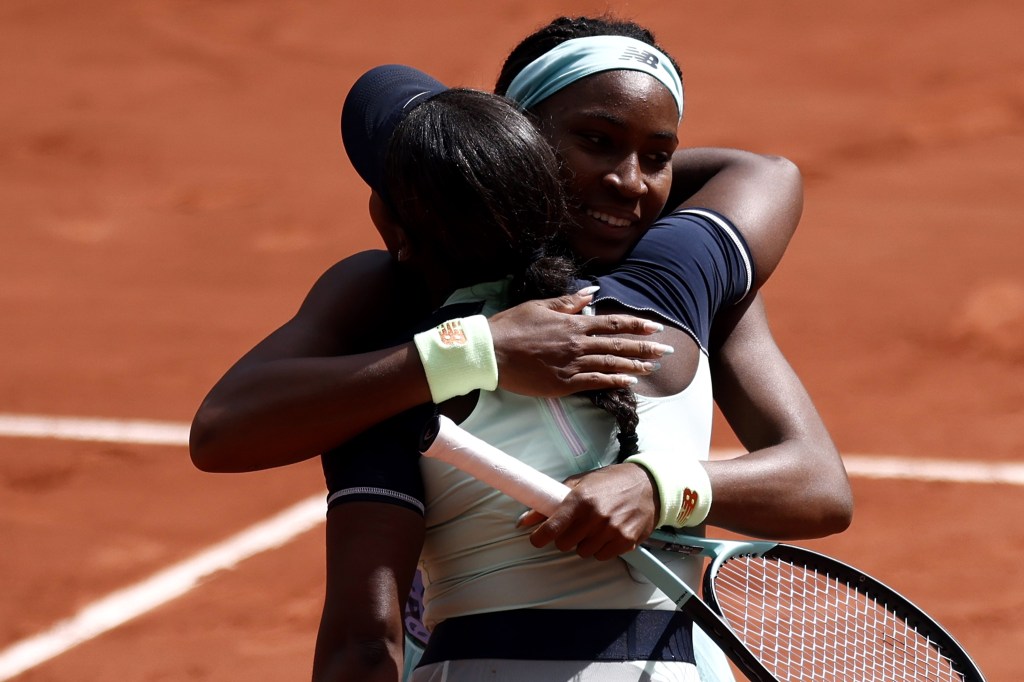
(786, 178)
(839, 515)
(202, 445)
(792, 180)
(834, 507)
(202, 458)
(843, 505)
(772, 220)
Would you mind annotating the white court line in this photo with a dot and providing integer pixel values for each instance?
(123, 605)
(1010, 473)
(172, 433)
(101, 430)
(131, 602)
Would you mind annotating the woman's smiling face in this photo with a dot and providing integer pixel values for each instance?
(615, 133)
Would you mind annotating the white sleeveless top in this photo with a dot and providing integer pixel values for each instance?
(475, 560)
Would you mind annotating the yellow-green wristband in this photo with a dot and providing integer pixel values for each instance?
(458, 357)
(684, 489)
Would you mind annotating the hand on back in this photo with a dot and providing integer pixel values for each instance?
(545, 349)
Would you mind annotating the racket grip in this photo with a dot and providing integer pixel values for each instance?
(456, 446)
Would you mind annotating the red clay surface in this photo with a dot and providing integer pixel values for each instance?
(172, 181)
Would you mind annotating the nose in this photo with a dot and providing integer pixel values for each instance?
(627, 177)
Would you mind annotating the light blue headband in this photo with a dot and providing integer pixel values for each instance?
(574, 59)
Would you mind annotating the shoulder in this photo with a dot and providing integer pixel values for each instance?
(691, 233)
(691, 264)
(359, 302)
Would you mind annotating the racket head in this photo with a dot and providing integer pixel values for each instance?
(808, 616)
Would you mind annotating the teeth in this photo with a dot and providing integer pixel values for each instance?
(611, 220)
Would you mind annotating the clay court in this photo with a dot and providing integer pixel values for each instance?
(172, 181)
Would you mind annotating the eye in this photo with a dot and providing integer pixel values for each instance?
(656, 162)
(595, 139)
(659, 158)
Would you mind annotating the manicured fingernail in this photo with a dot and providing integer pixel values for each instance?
(653, 326)
(522, 517)
(588, 291)
(630, 380)
(664, 349)
(653, 366)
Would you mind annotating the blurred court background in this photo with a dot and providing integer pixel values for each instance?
(172, 182)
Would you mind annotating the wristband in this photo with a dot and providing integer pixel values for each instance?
(458, 357)
(684, 488)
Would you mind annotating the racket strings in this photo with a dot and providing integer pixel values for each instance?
(804, 625)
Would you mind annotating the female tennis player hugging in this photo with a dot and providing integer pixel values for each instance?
(294, 396)
(499, 600)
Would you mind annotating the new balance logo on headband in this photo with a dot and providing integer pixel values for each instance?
(642, 56)
(578, 58)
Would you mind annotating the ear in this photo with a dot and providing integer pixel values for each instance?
(395, 238)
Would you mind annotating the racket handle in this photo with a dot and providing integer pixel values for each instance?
(481, 460)
(456, 446)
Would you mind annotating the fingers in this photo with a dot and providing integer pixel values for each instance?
(613, 372)
(601, 544)
(571, 303)
(622, 324)
(622, 347)
(529, 519)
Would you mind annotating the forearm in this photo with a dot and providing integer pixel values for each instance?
(792, 483)
(284, 411)
(772, 493)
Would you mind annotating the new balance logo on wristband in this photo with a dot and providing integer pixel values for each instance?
(690, 499)
(458, 357)
(451, 333)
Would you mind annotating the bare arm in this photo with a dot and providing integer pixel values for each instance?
(314, 383)
(306, 388)
(372, 550)
(762, 195)
(792, 483)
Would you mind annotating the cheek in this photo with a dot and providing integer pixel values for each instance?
(580, 175)
(658, 188)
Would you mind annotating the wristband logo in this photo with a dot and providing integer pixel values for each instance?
(451, 333)
(690, 499)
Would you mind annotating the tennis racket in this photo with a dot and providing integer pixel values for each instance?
(779, 612)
